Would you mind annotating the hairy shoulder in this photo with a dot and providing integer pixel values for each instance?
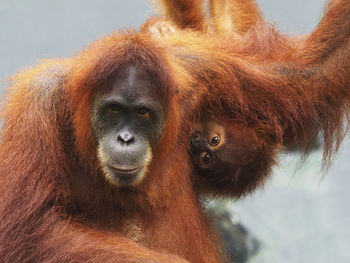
(40, 84)
(51, 74)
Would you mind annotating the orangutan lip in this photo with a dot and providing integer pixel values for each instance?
(125, 170)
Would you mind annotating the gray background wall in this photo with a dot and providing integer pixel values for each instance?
(300, 216)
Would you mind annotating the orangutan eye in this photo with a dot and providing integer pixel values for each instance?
(114, 108)
(143, 112)
(215, 140)
(206, 158)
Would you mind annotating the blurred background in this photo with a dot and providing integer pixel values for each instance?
(301, 216)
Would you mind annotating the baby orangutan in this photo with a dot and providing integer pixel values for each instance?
(230, 157)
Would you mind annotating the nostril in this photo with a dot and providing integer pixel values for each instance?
(126, 137)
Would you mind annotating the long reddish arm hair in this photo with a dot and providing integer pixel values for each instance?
(233, 17)
(185, 13)
(288, 89)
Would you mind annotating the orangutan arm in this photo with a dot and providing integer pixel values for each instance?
(68, 242)
(234, 16)
(185, 13)
(289, 98)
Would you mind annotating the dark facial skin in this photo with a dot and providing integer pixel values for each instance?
(128, 117)
(206, 140)
(215, 150)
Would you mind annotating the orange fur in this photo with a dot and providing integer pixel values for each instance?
(58, 206)
(55, 205)
(234, 16)
(185, 13)
(303, 67)
(288, 89)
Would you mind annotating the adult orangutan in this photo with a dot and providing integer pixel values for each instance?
(93, 152)
(83, 148)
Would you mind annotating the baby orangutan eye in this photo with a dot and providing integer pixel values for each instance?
(205, 159)
(215, 140)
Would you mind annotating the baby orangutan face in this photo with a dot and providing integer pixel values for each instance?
(218, 147)
(229, 156)
(206, 142)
